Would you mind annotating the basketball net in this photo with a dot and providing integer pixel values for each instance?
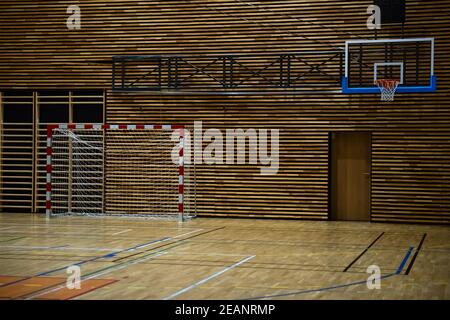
(388, 88)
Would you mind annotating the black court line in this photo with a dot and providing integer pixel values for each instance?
(46, 273)
(411, 263)
(177, 263)
(296, 230)
(166, 244)
(13, 239)
(362, 253)
(88, 225)
(398, 272)
(301, 243)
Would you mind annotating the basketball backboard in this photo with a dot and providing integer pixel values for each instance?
(408, 61)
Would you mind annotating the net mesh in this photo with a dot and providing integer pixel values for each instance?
(388, 88)
(116, 172)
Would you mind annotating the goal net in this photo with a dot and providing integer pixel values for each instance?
(133, 170)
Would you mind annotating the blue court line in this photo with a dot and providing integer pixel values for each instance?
(402, 265)
(109, 255)
(398, 272)
(139, 246)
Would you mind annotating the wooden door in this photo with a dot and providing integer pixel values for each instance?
(350, 176)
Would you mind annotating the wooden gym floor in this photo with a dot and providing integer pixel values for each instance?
(220, 259)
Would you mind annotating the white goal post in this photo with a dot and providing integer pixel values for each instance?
(123, 169)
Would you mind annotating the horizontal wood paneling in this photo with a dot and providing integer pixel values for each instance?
(410, 166)
(23, 143)
(301, 187)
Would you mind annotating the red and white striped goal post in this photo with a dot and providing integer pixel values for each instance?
(92, 126)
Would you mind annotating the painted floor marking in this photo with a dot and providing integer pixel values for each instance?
(214, 275)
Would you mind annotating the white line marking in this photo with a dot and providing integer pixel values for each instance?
(209, 254)
(164, 240)
(120, 232)
(98, 249)
(185, 234)
(126, 265)
(62, 248)
(46, 226)
(148, 244)
(214, 275)
(90, 249)
(98, 274)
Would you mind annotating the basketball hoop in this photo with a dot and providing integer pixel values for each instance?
(388, 88)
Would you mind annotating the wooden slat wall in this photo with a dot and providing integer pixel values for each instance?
(23, 141)
(411, 156)
(17, 154)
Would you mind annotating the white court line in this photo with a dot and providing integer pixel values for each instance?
(120, 232)
(95, 249)
(46, 226)
(209, 254)
(148, 244)
(214, 275)
(6, 228)
(185, 234)
(61, 248)
(98, 274)
(164, 240)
